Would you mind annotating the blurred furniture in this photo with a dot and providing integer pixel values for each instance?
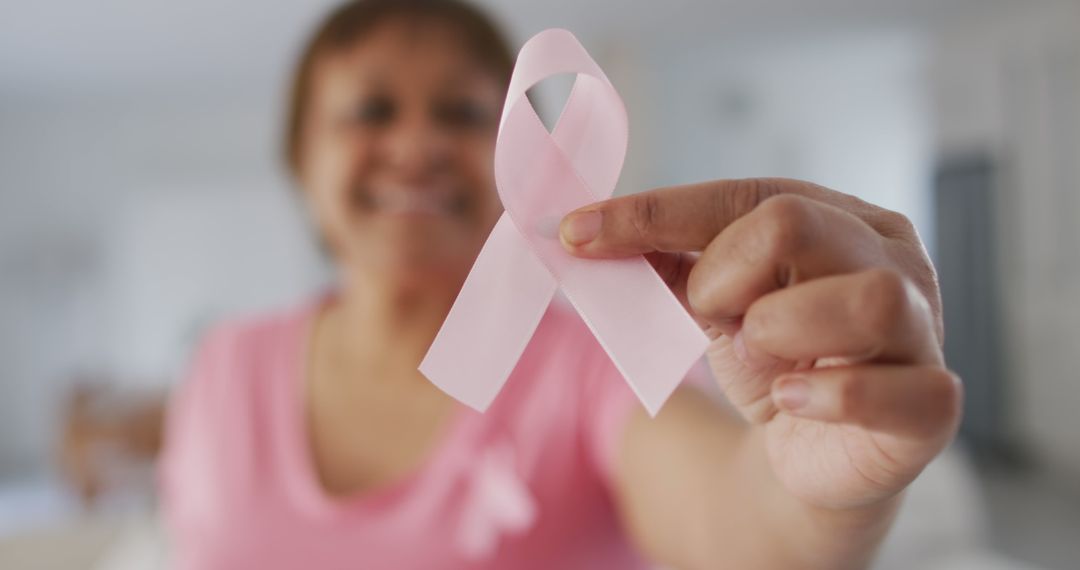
(966, 257)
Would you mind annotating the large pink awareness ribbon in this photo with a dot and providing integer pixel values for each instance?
(541, 177)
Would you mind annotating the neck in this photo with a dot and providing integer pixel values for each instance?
(385, 326)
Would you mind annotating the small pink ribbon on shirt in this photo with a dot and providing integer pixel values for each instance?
(497, 503)
(541, 177)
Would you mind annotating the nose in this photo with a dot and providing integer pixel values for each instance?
(414, 145)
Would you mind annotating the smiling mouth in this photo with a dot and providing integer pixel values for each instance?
(412, 201)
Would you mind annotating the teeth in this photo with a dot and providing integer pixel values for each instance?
(411, 201)
(405, 203)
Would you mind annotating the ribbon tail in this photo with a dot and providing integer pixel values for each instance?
(492, 320)
(647, 334)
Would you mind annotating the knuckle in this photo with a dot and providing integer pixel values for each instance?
(852, 393)
(745, 195)
(645, 216)
(881, 302)
(894, 224)
(785, 225)
(947, 392)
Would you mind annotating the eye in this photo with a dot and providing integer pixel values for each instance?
(374, 111)
(463, 113)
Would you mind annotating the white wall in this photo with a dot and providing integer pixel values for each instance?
(104, 206)
(181, 262)
(1011, 85)
(844, 110)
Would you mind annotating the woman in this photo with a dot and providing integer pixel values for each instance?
(309, 438)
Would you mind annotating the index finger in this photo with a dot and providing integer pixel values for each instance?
(677, 218)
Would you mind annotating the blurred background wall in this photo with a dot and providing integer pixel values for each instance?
(141, 195)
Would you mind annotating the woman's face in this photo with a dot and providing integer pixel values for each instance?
(397, 153)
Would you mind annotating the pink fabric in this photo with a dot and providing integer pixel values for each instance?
(524, 485)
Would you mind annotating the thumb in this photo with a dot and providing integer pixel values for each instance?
(675, 218)
(666, 219)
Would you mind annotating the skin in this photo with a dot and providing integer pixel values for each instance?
(823, 312)
(403, 111)
(826, 325)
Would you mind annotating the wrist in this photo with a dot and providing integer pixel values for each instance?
(847, 537)
(816, 534)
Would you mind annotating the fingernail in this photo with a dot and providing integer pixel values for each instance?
(580, 227)
(791, 392)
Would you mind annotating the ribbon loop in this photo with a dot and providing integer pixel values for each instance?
(541, 177)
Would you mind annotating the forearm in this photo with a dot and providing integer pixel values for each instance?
(697, 491)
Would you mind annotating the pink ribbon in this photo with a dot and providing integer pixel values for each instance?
(497, 502)
(541, 177)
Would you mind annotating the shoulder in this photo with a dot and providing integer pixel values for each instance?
(242, 336)
(227, 403)
(233, 364)
(237, 348)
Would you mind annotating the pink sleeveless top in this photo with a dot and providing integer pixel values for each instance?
(524, 485)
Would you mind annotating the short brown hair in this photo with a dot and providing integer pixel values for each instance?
(352, 20)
